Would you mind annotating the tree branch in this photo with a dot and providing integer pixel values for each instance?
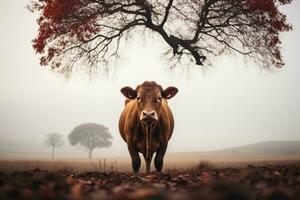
(166, 13)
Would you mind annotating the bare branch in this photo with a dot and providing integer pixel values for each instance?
(94, 30)
(166, 13)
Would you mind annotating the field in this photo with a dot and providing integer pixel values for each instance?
(185, 176)
(176, 161)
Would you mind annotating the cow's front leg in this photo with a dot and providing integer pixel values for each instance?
(159, 157)
(135, 158)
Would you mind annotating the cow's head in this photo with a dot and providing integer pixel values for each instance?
(149, 97)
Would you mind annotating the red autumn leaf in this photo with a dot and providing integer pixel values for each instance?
(93, 31)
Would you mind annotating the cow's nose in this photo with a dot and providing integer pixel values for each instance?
(147, 113)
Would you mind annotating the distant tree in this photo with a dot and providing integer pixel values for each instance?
(90, 136)
(197, 30)
(54, 140)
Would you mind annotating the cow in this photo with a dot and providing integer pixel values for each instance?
(146, 123)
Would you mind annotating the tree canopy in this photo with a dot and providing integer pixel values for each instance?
(54, 140)
(90, 136)
(92, 31)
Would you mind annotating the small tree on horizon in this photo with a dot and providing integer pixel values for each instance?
(54, 140)
(90, 136)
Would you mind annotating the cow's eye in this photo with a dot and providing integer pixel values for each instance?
(158, 99)
(138, 99)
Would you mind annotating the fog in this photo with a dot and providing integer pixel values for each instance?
(230, 104)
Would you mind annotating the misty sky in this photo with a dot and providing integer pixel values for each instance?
(230, 104)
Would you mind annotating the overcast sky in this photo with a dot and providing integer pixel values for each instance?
(230, 104)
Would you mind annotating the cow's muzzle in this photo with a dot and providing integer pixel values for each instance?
(148, 116)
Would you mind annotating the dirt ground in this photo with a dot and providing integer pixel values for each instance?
(270, 181)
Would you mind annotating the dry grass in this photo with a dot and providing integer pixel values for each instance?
(173, 161)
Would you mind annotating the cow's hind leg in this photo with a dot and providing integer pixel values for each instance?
(148, 163)
(159, 157)
(135, 158)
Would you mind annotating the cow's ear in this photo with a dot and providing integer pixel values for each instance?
(128, 92)
(169, 92)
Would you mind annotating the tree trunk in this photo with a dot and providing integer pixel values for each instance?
(52, 152)
(90, 153)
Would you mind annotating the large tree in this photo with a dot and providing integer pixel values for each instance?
(54, 140)
(92, 31)
(90, 136)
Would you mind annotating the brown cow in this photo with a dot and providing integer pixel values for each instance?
(146, 123)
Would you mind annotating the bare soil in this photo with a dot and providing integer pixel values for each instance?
(275, 181)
